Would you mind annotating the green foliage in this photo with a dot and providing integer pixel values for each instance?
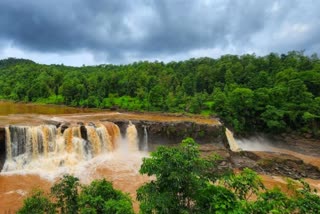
(180, 172)
(96, 198)
(274, 118)
(244, 184)
(53, 99)
(307, 200)
(216, 199)
(245, 91)
(37, 203)
(120, 206)
(66, 194)
(101, 197)
(272, 201)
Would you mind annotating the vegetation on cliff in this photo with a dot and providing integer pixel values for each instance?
(276, 93)
(68, 196)
(184, 182)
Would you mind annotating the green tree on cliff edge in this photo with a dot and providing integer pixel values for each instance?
(187, 183)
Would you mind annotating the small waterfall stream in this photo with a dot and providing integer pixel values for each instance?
(232, 142)
(145, 146)
(132, 137)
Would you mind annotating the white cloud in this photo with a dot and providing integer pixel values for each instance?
(76, 58)
(76, 32)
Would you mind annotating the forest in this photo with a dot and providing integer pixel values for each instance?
(274, 93)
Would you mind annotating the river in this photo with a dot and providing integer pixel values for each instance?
(120, 166)
(117, 162)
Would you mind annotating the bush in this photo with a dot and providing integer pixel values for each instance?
(37, 203)
(98, 197)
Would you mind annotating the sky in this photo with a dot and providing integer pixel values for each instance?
(90, 32)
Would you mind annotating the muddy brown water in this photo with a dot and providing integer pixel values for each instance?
(122, 169)
(7, 108)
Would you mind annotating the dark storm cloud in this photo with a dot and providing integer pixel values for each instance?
(119, 30)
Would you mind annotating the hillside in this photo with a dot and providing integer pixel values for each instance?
(272, 93)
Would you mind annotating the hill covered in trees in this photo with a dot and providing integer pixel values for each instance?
(272, 93)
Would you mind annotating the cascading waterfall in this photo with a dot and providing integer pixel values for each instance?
(114, 135)
(132, 137)
(93, 137)
(8, 144)
(145, 139)
(105, 139)
(232, 142)
(76, 131)
(29, 147)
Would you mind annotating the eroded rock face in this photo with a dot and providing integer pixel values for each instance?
(287, 165)
(175, 132)
(269, 163)
(2, 147)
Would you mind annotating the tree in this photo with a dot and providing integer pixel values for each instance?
(101, 197)
(240, 102)
(66, 194)
(271, 201)
(98, 197)
(245, 184)
(248, 84)
(157, 97)
(37, 203)
(180, 173)
(306, 199)
(273, 118)
(216, 199)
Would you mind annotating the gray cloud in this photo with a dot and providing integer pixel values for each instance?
(120, 31)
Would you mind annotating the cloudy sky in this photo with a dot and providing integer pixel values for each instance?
(77, 32)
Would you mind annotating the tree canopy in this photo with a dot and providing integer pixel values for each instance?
(69, 197)
(272, 93)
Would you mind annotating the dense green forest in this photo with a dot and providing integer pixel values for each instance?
(185, 183)
(272, 93)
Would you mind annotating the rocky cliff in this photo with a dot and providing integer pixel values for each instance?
(2, 146)
(175, 132)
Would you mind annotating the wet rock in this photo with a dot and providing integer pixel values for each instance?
(53, 122)
(174, 132)
(80, 123)
(272, 163)
(286, 165)
(63, 127)
(92, 124)
(83, 131)
(2, 147)
(114, 108)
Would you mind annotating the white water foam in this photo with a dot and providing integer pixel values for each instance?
(78, 161)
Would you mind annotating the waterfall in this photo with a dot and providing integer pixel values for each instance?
(232, 142)
(16, 140)
(94, 139)
(114, 135)
(76, 132)
(68, 136)
(29, 147)
(145, 139)
(8, 144)
(132, 137)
